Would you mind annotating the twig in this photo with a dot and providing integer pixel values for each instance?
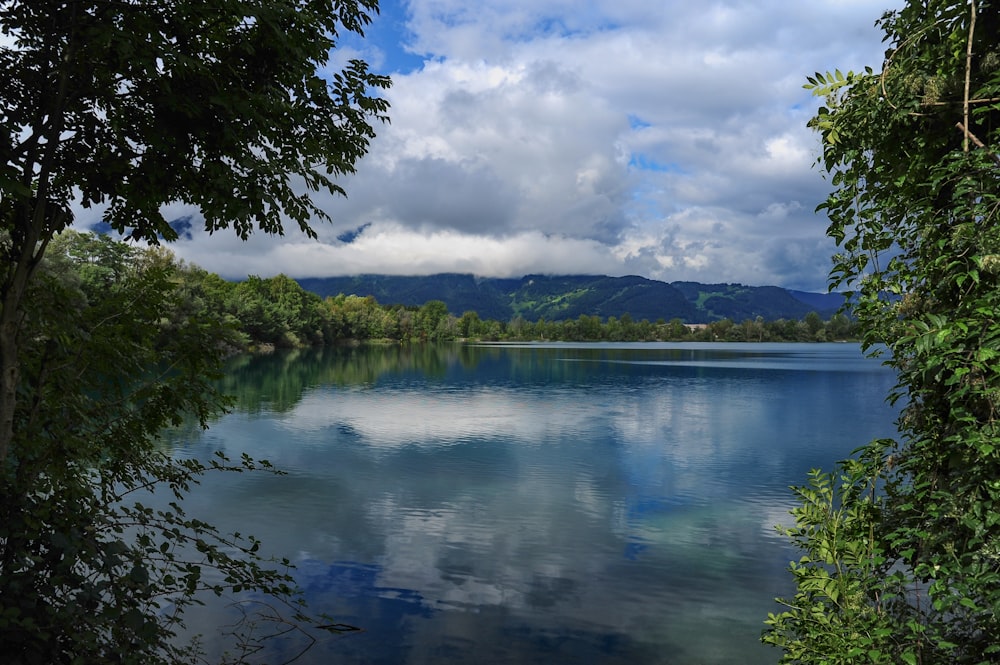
(969, 136)
(968, 74)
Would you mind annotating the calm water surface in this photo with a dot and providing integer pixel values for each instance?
(565, 503)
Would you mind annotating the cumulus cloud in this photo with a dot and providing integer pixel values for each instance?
(378, 248)
(613, 136)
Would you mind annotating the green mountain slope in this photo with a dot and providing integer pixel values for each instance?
(570, 296)
(738, 302)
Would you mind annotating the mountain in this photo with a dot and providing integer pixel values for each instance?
(488, 298)
(819, 302)
(567, 297)
(737, 302)
(563, 297)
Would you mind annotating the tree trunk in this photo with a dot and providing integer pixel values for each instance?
(11, 314)
(28, 246)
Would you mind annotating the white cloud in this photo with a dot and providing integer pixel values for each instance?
(613, 136)
(379, 248)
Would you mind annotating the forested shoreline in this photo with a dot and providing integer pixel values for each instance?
(276, 312)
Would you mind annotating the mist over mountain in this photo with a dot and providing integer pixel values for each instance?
(560, 297)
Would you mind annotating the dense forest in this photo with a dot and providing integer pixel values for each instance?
(276, 312)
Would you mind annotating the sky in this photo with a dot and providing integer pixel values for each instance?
(662, 138)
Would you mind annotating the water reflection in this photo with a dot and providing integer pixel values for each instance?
(539, 504)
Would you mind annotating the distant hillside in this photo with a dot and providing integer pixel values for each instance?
(737, 302)
(568, 296)
(820, 302)
(461, 293)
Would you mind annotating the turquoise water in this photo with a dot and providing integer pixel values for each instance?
(563, 503)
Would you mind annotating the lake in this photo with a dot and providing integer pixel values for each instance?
(536, 503)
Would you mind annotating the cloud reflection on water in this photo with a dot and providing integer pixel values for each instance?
(527, 513)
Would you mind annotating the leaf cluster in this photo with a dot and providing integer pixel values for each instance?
(913, 153)
(842, 612)
(130, 105)
(88, 572)
(124, 106)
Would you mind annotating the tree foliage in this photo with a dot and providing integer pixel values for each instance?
(129, 105)
(88, 573)
(911, 573)
(122, 107)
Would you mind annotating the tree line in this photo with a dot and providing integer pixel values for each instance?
(276, 312)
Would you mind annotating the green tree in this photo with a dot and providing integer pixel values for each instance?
(217, 104)
(296, 312)
(814, 323)
(125, 107)
(201, 293)
(87, 570)
(517, 327)
(469, 324)
(752, 330)
(910, 573)
(676, 329)
(588, 327)
(357, 317)
(840, 327)
(430, 320)
(723, 329)
(257, 313)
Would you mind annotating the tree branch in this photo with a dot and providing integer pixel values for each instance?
(968, 74)
(969, 136)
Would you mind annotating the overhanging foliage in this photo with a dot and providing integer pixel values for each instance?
(912, 152)
(124, 106)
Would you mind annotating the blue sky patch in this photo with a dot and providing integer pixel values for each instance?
(643, 162)
(347, 237)
(388, 33)
(635, 122)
